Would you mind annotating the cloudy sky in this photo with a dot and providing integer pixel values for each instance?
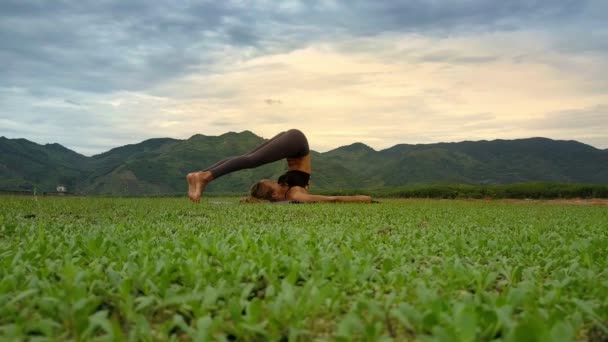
(93, 74)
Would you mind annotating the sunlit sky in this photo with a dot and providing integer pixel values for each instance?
(93, 75)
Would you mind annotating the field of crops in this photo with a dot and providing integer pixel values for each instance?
(162, 269)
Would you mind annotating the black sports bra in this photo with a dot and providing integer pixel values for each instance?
(295, 178)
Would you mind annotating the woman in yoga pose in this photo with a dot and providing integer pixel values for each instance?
(291, 186)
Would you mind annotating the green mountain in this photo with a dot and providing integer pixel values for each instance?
(158, 166)
(25, 165)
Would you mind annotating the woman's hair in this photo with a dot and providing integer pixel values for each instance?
(250, 199)
(258, 192)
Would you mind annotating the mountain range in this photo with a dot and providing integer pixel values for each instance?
(158, 166)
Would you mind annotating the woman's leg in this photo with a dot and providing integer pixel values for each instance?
(289, 144)
(248, 153)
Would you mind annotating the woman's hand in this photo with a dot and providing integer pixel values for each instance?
(303, 196)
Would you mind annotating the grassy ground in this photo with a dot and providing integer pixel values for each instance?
(161, 269)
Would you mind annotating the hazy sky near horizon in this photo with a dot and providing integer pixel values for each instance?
(92, 75)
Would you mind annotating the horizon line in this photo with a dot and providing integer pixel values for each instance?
(329, 150)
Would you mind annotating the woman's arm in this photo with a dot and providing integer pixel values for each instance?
(304, 197)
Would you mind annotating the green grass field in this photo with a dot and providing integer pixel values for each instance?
(164, 269)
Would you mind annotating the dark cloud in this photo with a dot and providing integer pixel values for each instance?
(271, 102)
(456, 58)
(370, 17)
(224, 123)
(57, 58)
(72, 102)
(103, 46)
(449, 15)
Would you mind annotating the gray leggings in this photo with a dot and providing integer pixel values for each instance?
(288, 144)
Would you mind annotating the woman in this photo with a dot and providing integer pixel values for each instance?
(291, 186)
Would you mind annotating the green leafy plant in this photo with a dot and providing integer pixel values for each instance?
(163, 269)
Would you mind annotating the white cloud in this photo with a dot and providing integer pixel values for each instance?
(380, 73)
(338, 96)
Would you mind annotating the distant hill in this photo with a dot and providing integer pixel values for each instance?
(24, 164)
(158, 166)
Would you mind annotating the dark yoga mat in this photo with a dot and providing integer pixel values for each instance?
(280, 202)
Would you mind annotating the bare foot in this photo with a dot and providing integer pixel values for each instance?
(197, 181)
